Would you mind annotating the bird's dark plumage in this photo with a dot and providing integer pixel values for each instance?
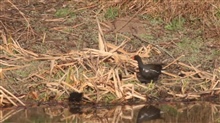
(75, 97)
(147, 72)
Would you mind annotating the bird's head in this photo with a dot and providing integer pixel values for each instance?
(136, 57)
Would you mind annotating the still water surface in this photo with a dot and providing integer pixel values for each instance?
(196, 112)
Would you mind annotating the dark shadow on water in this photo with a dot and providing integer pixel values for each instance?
(148, 113)
(202, 112)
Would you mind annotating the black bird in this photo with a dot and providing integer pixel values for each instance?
(75, 97)
(148, 113)
(147, 72)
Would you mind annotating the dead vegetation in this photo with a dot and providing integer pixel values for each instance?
(95, 70)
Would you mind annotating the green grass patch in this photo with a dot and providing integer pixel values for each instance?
(217, 14)
(111, 13)
(153, 20)
(40, 48)
(26, 71)
(148, 37)
(64, 12)
(190, 48)
(58, 74)
(109, 97)
(176, 24)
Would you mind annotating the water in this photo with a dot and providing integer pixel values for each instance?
(196, 112)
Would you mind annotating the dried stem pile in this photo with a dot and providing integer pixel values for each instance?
(95, 72)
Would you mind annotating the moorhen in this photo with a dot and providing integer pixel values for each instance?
(75, 97)
(147, 72)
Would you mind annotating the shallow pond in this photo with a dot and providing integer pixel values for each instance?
(200, 112)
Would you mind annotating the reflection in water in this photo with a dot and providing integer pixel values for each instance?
(6, 115)
(148, 113)
(180, 112)
(75, 109)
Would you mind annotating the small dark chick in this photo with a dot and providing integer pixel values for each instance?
(147, 72)
(75, 97)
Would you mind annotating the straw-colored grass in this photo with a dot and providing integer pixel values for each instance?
(6, 98)
(90, 71)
